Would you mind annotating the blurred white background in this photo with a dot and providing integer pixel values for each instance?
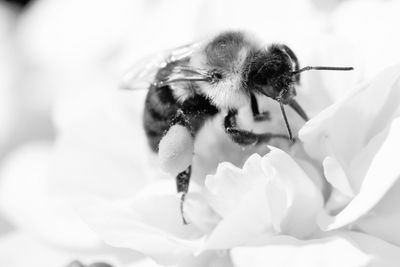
(57, 54)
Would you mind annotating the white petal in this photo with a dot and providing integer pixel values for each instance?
(239, 196)
(304, 199)
(336, 176)
(382, 174)
(242, 225)
(207, 259)
(384, 219)
(19, 249)
(269, 195)
(339, 249)
(382, 253)
(149, 223)
(344, 128)
(363, 159)
(230, 183)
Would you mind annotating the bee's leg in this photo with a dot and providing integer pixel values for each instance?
(176, 153)
(239, 136)
(257, 116)
(182, 186)
(183, 178)
(244, 137)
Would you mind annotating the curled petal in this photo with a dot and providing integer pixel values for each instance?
(352, 130)
(347, 126)
(383, 172)
(336, 176)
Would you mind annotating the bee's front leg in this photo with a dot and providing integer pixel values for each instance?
(244, 137)
(257, 115)
(176, 154)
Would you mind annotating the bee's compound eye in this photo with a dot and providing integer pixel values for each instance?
(216, 76)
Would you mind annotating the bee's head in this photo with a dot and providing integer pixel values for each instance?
(270, 72)
(274, 72)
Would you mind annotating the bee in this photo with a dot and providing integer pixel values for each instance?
(191, 84)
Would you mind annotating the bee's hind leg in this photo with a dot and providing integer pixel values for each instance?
(182, 186)
(244, 137)
(175, 153)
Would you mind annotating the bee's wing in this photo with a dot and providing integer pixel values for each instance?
(143, 73)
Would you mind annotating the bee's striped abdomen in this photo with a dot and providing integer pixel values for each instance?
(160, 109)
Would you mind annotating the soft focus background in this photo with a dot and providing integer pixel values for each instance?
(56, 55)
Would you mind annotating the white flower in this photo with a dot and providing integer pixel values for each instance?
(275, 203)
(241, 207)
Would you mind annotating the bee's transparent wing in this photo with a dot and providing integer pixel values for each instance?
(143, 73)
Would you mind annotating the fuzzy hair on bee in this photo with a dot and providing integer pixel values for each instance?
(191, 84)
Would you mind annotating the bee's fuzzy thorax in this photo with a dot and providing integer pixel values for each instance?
(228, 53)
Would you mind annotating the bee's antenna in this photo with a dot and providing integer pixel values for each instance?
(286, 122)
(321, 68)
